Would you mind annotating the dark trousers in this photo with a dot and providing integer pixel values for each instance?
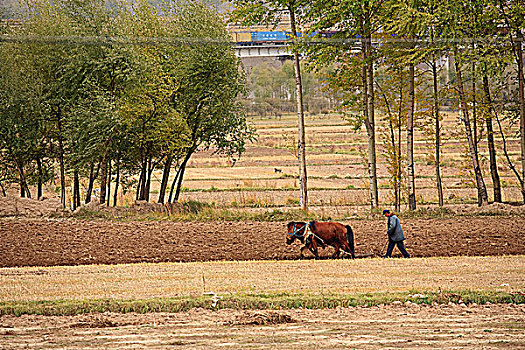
(400, 246)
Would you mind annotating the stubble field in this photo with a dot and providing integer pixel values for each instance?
(268, 305)
(266, 175)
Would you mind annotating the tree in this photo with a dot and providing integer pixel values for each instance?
(391, 83)
(120, 106)
(491, 60)
(513, 13)
(435, 95)
(68, 98)
(249, 12)
(20, 124)
(356, 22)
(207, 81)
(410, 25)
(454, 21)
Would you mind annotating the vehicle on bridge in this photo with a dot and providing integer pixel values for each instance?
(276, 37)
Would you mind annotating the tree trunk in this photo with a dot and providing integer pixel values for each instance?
(139, 184)
(174, 185)
(474, 110)
(143, 179)
(76, 190)
(90, 183)
(24, 188)
(399, 132)
(165, 177)
(410, 139)
(438, 134)
(61, 161)
(117, 180)
(370, 121)
(480, 183)
(182, 169)
(40, 180)
(521, 84)
(490, 140)
(395, 162)
(148, 179)
(109, 182)
(301, 149)
(399, 173)
(92, 176)
(475, 119)
(103, 179)
(518, 51)
(364, 102)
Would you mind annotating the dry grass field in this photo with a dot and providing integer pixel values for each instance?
(266, 175)
(311, 277)
(228, 293)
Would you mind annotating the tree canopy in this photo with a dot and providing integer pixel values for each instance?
(114, 90)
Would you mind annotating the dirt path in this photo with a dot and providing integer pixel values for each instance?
(42, 242)
(395, 326)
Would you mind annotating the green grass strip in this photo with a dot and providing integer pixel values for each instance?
(254, 301)
(203, 212)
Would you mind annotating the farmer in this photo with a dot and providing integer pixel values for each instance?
(395, 235)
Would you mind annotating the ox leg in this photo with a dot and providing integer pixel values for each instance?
(313, 249)
(336, 253)
(302, 250)
(347, 249)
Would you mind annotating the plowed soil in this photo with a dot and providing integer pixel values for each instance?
(45, 242)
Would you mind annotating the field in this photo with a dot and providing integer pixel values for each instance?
(326, 304)
(265, 176)
(38, 242)
(99, 279)
(379, 327)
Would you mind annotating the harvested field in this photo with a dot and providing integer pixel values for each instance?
(278, 280)
(396, 326)
(47, 242)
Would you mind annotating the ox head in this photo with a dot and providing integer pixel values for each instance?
(295, 230)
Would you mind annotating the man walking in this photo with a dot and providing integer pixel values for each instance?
(395, 235)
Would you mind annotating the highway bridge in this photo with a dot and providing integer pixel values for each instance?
(262, 50)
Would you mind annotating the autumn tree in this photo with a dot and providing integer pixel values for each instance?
(270, 12)
(513, 14)
(356, 22)
(454, 21)
(207, 81)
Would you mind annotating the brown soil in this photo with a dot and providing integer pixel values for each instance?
(393, 326)
(46, 242)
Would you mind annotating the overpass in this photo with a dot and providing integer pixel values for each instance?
(277, 50)
(262, 50)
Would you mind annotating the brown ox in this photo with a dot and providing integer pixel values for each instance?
(321, 234)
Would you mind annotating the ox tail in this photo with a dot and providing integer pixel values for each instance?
(350, 237)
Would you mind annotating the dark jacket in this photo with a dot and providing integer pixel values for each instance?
(395, 232)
